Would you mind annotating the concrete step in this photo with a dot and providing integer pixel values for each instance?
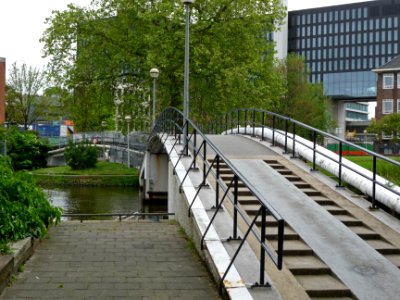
(365, 233)
(349, 220)
(394, 259)
(298, 264)
(311, 192)
(323, 201)
(301, 184)
(323, 286)
(294, 248)
(248, 200)
(284, 172)
(292, 178)
(383, 246)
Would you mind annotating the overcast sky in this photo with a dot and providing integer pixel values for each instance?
(22, 25)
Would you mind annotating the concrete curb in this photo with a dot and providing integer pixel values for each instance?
(9, 264)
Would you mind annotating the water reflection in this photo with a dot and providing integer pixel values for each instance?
(91, 200)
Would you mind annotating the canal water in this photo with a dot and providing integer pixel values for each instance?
(91, 200)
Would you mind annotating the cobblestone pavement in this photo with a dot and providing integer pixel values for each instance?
(113, 260)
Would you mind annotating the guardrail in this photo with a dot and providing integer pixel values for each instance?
(82, 217)
(250, 119)
(172, 122)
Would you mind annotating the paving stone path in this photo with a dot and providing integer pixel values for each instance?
(113, 260)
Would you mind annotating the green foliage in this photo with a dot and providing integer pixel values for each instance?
(26, 150)
(389, 124)
(81, 156)
(24, 209)
(93, 49)
(24, 104)
(303, 100)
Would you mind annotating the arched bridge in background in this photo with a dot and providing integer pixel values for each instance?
(247, 190)
(113, 146)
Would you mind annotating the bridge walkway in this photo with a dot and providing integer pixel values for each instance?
(113, 260)
(333, 249)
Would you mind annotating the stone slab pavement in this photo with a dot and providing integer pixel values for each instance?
(114, 260)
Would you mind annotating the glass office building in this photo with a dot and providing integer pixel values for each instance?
(343, 43)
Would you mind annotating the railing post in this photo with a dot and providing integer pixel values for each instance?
(340, 164)
(235, 202)
(204, 163)
(294, 141)
(262, 253)
(314, 150)
(374, 182)
(262, 126)
(217, 184)
(226, 123)
(245, 121)
(186, 138)
(286, 133)
(254, 123)
(232, 122)
(238, 121)
(273, 130)
(194, 148)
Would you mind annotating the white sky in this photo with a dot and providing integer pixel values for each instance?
(22, 25)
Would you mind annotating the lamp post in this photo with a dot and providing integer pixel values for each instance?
(154, 72)
(128, 120)
(186, 74)
(103, 126)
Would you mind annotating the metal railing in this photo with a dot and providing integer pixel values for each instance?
(197, 147)
(250, 119)
(82, 217)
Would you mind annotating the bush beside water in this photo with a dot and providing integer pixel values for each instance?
(24, 209)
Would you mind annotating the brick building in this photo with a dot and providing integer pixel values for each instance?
(388, 87)
(2, 90)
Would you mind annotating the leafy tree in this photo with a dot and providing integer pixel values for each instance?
(92, 50)
(26, 150)
(302, 100)
(81, 156)
(24, 104)
(389, 125)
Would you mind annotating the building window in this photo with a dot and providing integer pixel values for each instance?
(387, 106)
(388, 81)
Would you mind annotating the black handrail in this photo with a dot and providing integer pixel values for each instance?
(315, 134)
(173, 116)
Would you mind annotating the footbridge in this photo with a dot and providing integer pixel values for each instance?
(266, 207)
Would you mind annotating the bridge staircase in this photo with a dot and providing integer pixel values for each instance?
(310, 273)
(333, 248)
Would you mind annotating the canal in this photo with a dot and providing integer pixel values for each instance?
(99, 200)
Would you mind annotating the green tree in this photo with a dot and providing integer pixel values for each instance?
(93, 49)
(26, 150)
(24, 105)
(302, 100)
(388, 125)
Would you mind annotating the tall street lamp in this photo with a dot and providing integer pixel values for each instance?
(154, 72)
(128, 121)
(103, 127)
(186, 74)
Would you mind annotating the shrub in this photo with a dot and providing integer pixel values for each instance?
(81, 156)
(24, 209)
(26, 149)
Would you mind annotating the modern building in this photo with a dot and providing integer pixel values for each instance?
(2, 90)
(342, 44)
